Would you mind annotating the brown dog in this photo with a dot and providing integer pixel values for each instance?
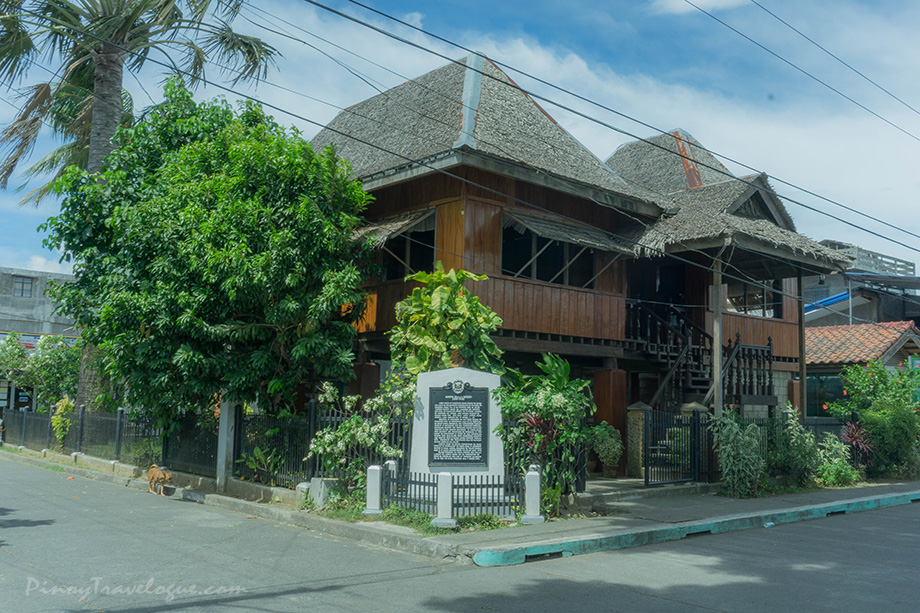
(157, 477)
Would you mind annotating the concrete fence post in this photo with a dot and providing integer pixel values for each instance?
(390, 467)
(80, 428)
(226, 436)
(374, 490)
(119, 422)
(445, 517)
(532, 513)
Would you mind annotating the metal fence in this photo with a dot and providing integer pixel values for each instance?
(109, 436)
(678, 448)
(486, 494)
(273, 450)
(192, 446)
(417, 491)
(276, 450)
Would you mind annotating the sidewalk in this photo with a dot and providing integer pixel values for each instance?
(636, 516)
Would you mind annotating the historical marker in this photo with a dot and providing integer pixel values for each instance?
(459, 425)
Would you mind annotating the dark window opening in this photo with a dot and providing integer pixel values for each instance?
(763, 299)
(530, 256)
(820, 391)
(410, 252)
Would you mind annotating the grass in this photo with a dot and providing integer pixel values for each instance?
(350, 508)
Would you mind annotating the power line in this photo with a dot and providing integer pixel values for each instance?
(462, 179)
(615, 112)
(825, 50)
(803, 71)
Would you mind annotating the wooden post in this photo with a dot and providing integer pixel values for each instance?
(717, 335)
(802, 371)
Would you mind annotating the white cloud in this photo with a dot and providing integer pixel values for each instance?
(414, 19)
(680, 6)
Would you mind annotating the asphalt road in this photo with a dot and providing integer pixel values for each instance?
(118, 549)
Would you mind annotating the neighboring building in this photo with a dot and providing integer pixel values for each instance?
(876, 287)
(576, 249)
(25, 309)
(829, 348)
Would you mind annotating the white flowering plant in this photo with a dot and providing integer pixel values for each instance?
(363, 432)
(549, 412)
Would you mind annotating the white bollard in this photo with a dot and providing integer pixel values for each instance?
(374, 490)
(445, 502)
(532, 497)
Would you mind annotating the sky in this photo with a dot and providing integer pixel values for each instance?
(655, 65)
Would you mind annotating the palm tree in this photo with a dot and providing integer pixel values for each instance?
(94, 41)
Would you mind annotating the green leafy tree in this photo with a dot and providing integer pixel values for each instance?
(51, 370)
(549, 413)
(218, 253)
(442, 324)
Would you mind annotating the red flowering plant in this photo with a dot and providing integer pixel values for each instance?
(873, 386)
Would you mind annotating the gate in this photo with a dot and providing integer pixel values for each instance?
(677, 448)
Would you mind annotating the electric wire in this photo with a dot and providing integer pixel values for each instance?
(421, 162)
(803, 71)
(828, 52)
(610, 110)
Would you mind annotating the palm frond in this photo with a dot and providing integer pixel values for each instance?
(245, 57)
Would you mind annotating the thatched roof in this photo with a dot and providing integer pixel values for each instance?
(469, 107)
(713, 205)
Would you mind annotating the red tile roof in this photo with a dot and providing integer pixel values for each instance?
(853, 344)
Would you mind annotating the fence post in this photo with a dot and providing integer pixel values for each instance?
(374, 491)
(695, 445)
(119, 420)
(226, 436)
(79, 429)
(22, 440)
(445, 517)
(164, 447)
(532, 513)
(390, 466)
(48, 434)
(311, 432)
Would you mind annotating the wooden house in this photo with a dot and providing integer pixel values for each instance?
(614, 265)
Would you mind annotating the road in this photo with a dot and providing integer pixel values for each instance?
(119, 549)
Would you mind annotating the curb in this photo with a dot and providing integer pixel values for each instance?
(506, 556)
(375, 534)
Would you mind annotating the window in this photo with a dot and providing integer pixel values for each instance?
(762, 299)
(22, 286)
(410, 251)
(546, 256)
(822, 390)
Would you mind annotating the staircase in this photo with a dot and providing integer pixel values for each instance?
(681, 349)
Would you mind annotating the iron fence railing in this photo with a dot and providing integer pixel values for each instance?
(417, 491)
(110, 436)
(486, 494)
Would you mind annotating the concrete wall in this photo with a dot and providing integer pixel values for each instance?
(31, 314)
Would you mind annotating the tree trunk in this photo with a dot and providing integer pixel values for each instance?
(107, 83)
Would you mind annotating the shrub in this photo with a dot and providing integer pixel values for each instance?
(794, 452)
(550, 412)
(892, 428)
(740, 461)
(359, 434)
(834, 469)
(606, 442)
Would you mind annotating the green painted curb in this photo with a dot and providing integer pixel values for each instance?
(637, 538)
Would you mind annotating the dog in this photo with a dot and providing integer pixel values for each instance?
(157, 477)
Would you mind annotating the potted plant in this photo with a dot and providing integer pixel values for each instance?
(607, 443)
